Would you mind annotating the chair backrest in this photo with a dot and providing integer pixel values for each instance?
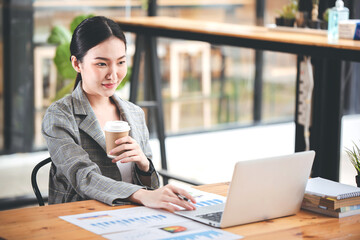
(34, 181)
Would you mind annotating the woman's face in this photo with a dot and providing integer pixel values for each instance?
(103, 68)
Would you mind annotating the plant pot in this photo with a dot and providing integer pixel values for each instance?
(314, 24)
(279, 21)
(357, 177)
(289, 22)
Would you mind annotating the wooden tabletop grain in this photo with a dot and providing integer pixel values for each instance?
(44, 223)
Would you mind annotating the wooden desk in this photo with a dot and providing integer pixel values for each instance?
(43, 223)
(326, 58)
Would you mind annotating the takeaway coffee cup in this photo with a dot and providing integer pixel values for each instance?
(113, 131)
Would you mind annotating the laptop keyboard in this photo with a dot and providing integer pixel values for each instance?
(216, 217)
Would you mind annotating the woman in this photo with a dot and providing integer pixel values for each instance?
(72, 128)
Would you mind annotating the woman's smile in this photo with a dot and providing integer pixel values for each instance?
(109, 85)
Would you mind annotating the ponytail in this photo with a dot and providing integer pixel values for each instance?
(77, 80)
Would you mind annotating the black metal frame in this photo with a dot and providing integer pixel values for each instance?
(34, 184)
(259, 64)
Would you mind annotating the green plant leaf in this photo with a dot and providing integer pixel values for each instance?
(78, 20)
(145, 4)
(326, 15)
(62, 61)
(354, 156)
(280, 13)
(59, 35)
(289, 11)
(64, 91)
(125, 80)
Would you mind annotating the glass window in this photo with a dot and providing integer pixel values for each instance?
(231, 74)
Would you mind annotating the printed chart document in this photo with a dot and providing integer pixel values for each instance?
(204, 198)
(145, 223)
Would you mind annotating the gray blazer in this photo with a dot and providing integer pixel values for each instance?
(80, 168)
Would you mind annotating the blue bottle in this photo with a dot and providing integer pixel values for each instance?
(336, 14)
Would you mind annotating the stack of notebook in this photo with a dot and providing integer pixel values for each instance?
(331, 198)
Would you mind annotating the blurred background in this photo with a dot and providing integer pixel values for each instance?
(207, 130)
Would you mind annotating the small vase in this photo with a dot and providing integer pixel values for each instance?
(301, 19)
(357, 177)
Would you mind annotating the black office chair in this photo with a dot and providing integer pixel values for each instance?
(34, 182)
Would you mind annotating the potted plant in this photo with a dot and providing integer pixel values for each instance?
(288, 14)
(354, 156)
(279, 21)
(324, 24)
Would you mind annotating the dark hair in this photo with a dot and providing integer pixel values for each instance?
(90, 33)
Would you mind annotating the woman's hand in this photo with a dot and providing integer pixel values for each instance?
(164, 198)
(131, 153)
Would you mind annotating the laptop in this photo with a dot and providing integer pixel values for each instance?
(260, 189)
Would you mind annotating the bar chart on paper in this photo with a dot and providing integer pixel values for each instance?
(121, 220)
(106, 221)
(142, 223)
(209, 202)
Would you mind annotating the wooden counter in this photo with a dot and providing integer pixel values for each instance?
(297, 41)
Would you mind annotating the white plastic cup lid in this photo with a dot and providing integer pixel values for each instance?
(116, 126)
